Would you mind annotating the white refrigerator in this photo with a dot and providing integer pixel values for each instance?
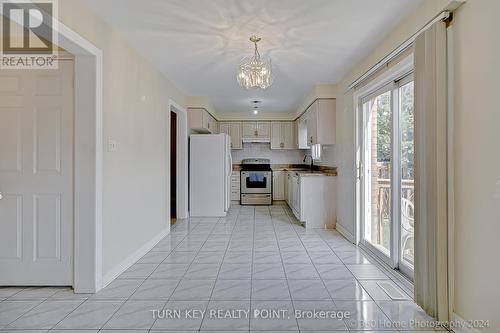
(210, 169)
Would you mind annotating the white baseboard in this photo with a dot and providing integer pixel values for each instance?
(343, 231)
(459, 325)
(132, 259)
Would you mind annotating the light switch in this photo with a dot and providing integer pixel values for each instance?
(112, 145)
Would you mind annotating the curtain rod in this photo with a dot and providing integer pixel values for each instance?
(401, 48)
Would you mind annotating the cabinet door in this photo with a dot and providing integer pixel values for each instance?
(293, 196)
(289, 197)
(225, 128)
(296, 194)
(325, 133)
(312, 124)
(212, 124)
(195, 119)
(206, 120)
(235, 187)
(235, 133)
(264, 129)
(278, 185)
(276, 137)
(249, 129)
(287, 137)
(302, 133)
(296, 134)
(215, 126)
(285, 185)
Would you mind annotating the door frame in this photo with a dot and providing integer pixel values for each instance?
(182, 159)
(88, 156)
(88, 159)
(389, 78)
(381, 89)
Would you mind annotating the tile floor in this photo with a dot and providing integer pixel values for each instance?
(236, 270)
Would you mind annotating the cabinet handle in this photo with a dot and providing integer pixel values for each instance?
(256, 133)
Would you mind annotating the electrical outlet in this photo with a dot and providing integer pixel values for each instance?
(112, 145)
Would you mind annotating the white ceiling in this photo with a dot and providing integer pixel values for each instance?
(198, 44)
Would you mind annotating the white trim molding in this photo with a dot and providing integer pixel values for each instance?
(460, 325)
(88, 159)
(182, 158)
(133, 258)
(88, 155)
(344, 232)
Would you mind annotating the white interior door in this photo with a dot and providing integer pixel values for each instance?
(36, 176)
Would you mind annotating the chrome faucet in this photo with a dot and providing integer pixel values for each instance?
(312, 161)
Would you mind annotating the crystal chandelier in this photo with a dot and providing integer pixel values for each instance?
(255, 72)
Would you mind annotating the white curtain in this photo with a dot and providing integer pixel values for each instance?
(431, 226)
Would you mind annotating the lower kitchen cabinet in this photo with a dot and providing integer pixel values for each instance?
(312, 199)
(235, 186)
(278, 185)
(288, 189)
(318, 201)
(295, 197)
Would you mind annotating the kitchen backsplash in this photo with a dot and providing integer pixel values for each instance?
(278, 156)
(328, 156)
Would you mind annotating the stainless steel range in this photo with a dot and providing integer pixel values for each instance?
(256, 182)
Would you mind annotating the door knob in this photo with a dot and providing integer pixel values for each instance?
(1, 196)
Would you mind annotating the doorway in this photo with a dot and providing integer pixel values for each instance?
(87, 196)
(177, 161)
(387, 179)
(36, 174)
(173, 167)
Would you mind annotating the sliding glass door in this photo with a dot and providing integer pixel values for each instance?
(406, 177)
(387, 178)
(377, 110)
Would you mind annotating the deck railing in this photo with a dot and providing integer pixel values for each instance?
(384, 212)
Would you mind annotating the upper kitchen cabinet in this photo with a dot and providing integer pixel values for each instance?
(233, 129)
(320, 119)
(264, 129)
(301, 136)
(283, 135)
(200, 120)
(252, 129)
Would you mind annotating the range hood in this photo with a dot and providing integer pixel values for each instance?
(256, 140)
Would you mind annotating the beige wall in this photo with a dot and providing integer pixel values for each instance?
(135, 198)
(345, 150)
(476, 155)
(477, 161)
